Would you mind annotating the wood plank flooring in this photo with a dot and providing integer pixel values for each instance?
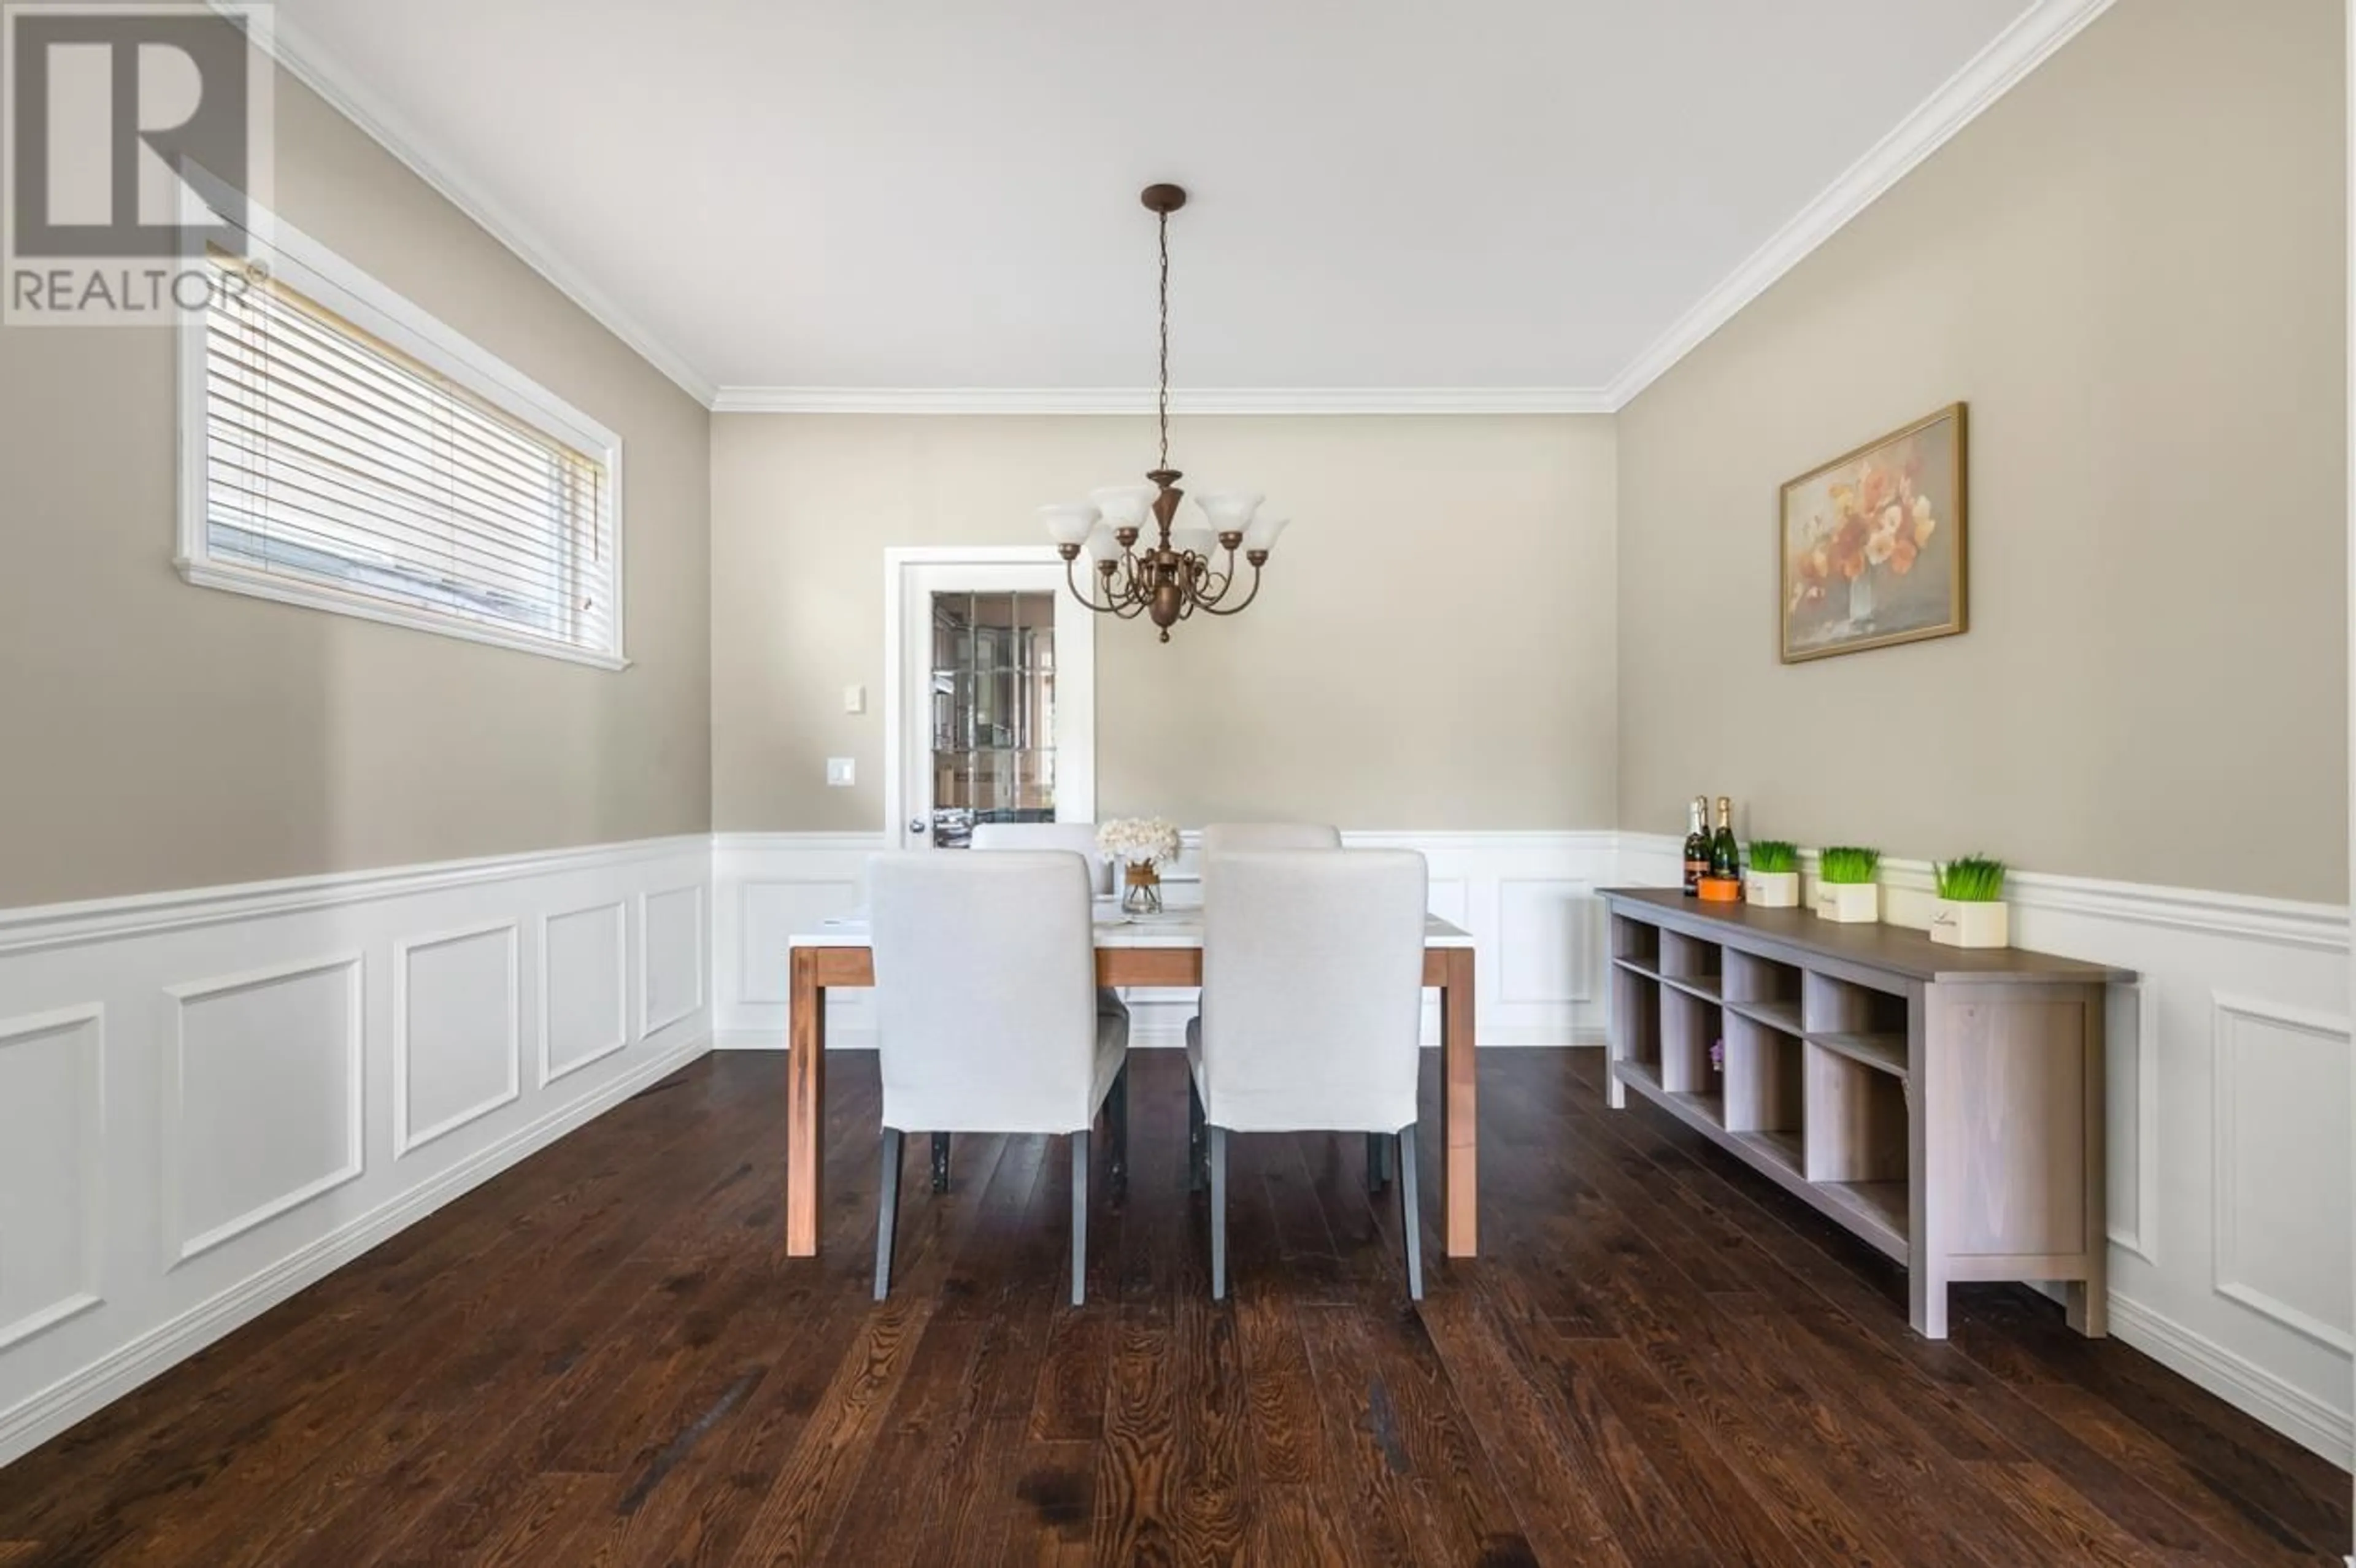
(603, 1357)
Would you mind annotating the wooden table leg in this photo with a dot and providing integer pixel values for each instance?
(1459, 1136)
(805, 1104)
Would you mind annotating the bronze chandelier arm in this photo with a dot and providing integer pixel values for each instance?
(1214, 608)
(1123, 605)
(1072, 583)
(1214, 582)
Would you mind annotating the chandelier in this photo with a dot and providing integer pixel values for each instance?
(1194, 567)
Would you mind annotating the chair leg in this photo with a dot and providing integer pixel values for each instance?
(887, 1211)
(1079, 1216)
(1218, 1160)
(1117, 1129)
(1197, 1170)
(1378, 1161)
(940, 1162)
(1410, 1212)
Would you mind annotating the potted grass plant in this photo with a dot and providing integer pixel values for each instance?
(1972, 911)
(1773, 880)
(1846, 891)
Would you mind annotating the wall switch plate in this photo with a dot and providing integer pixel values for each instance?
(842, 772)
(854, 700)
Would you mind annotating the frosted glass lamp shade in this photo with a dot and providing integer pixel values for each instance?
(1192, 534)
(1069, 524)
(1101, 545)
(1264, 532)
(1124, 506)
(1230, 512)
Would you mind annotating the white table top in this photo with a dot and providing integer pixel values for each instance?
(1178, 926)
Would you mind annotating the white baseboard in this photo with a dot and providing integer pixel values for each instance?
(2314, 1423)
(72, 1399)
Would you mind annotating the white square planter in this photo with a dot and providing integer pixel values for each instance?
(1960, 924)
(1849, 904)
(1772, 890)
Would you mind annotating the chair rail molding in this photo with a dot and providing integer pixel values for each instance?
(356, 1039)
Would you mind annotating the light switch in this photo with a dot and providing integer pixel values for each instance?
(842, 772)
(854, 700)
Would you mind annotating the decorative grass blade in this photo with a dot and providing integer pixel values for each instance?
(1847, 865)
(1971, 879)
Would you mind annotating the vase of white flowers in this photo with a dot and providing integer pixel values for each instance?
(1139, 846)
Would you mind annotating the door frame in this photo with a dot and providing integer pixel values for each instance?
(1075, 679)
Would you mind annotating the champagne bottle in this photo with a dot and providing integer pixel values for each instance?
(1725, 860)
(1696, 846)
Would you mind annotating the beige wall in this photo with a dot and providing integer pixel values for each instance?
(1433, 649)
(2132, 268)
(163, 736)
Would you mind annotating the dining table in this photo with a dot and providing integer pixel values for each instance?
(1162, 949)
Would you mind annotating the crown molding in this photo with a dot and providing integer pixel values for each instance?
(294, 52)
(2019, 49)
(2024, 46)
(1141, 400)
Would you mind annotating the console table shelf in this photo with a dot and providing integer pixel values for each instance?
(1945, 1104)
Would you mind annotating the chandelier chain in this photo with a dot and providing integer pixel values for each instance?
(1165, 340)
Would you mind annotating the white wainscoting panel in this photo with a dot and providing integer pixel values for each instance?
(1528, 898)
(2282, 1094)
(208, 1099)
(262, 1098)
(52, 1134)
(584, 987)
(1545, 947)
(457, 1030)
(673, 966)
(2131, 1031)
(2229, 1129)
(765, 887)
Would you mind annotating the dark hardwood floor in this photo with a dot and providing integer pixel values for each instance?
(601, 1356)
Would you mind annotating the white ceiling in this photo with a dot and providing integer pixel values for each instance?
(1387, 193)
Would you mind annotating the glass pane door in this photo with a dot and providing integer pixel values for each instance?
(993, 711)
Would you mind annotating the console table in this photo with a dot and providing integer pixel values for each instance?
(1945, 1104)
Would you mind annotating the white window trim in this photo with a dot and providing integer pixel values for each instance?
(311, 269)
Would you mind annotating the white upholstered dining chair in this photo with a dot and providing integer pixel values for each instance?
(1312, 1011)
(1221, 837)
(986, 1014)
(1080, 837)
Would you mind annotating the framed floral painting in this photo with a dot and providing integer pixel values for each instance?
(1871, 544)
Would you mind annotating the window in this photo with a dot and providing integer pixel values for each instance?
(343, 450)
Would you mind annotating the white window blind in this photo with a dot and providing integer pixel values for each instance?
(342, 471)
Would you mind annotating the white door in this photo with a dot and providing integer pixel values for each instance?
(992, 696)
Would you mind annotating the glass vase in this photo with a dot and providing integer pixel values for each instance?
(1144, 894)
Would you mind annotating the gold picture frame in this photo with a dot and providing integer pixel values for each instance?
(1869, 547)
